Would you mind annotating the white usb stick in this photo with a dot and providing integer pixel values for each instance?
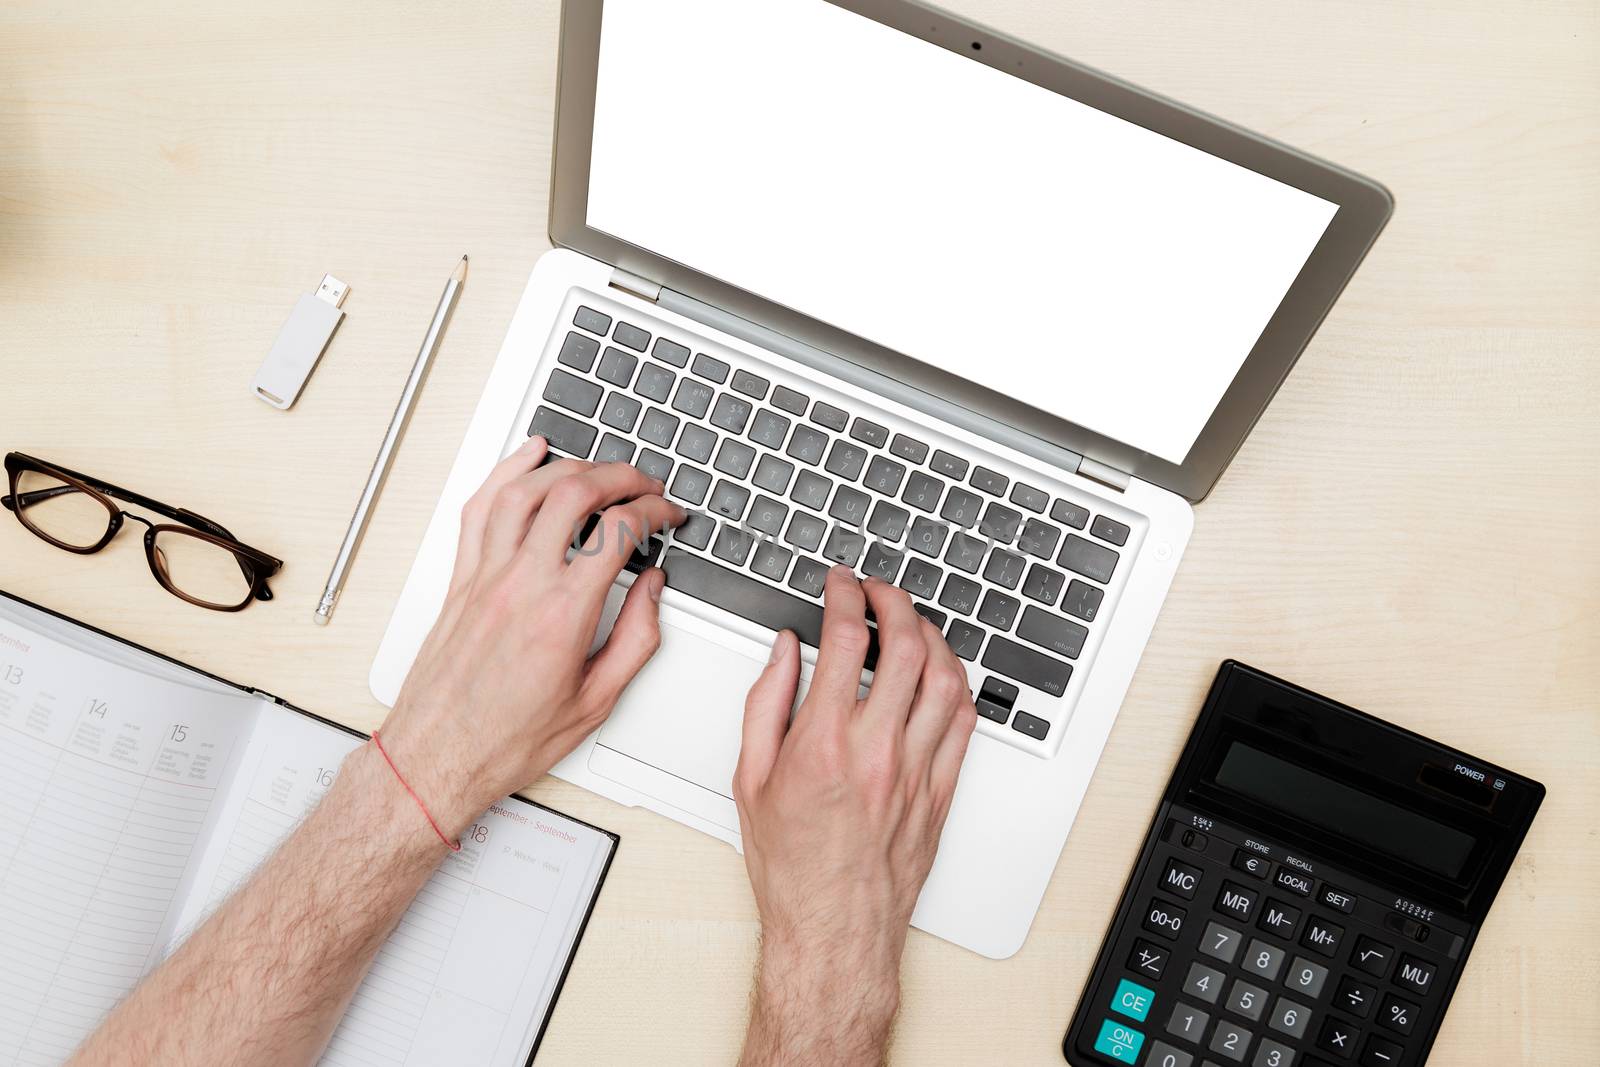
(300, 343)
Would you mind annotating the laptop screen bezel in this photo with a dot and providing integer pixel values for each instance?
(1364, 208)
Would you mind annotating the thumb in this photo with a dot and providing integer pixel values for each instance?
(766, 715)
(634, 639)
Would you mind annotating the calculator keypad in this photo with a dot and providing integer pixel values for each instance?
(1236, 960)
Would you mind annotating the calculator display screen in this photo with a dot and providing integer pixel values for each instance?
(1344, 810)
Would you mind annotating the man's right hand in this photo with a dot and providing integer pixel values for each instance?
(841, 813)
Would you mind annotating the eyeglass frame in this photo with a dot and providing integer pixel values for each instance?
(254, 564)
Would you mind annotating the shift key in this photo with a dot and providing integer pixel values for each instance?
(1027, 666)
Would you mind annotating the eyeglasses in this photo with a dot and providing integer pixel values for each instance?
(198, 561)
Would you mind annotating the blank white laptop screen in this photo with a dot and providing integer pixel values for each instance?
(968, 219)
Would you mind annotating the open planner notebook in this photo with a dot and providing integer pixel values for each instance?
(135, 793)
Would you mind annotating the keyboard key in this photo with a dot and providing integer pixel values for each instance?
(588, 318)
(691, 483)
(1043, 584)
(643, 558)
(573, 393)
(1165, 1055)
(1000, 523)
(614, 449)
(655, 383)
(658, 427)
(630, 336)
(809, 576)
(1381, 1052)
(927, 537)
(696, 443)
(1038, 539)
(921, 579)
(769, 429)
(771, 560)
(888, 521)
(1297, 882)
(1031, 725)
(696, 530)
(965, 639)
(1026, 496)
(805, 531)
(795, 403)
(908, 448)
(669, 352)
(1187, 1023)
(1397, 1015)
(960, 595)
(773, 474)
(1279, 918)
(731, 413)
(1354, 997)
(751, 385)
(1272, 1054)
(1238, 901)
(1087, 558)
(1132, 999)
(1051, 632)
(846, 460)
(1004, 568)
(1221, 942)
(998, 610)
(1119, 1042)
(735, 458)
(850, 506)
(1230, 1041)
(806, 445)
(923, 491)
(1338, 1037)
(951, 466)
(749, 598)
(767, 515)
(565, 433)
(1263, 959)
(1322, 936)
(1027, 666)
(883, 561)
(935, 616)
(965, 552)
(1109, 530)
(620, 411)
(1070, 514)
(1082, 600)
(617, 367)
(1181, 879)
(844, 546)
(653, 464)
(1337, 899)
(1163, 919)
(578, 351)
(825, 414)
(733, 544)
(710, 368)
(729, 500)
(884, 475)
(693, 398)
(1250, 863)
(810, 490)
(1289, 1017)
(1148, 959)
(869, 432)
(1306, 977)
(961, 507)
(1247, 1000)
(1414, 974)
(1371, 957)
(992, 482)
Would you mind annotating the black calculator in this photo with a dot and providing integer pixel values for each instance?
(1307, 894)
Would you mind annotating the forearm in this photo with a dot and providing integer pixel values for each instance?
(822, 1005)
(267, 977)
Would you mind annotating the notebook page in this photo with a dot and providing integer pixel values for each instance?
(108, 780)
(468, 974)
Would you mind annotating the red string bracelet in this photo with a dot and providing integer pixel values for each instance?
(455, 846)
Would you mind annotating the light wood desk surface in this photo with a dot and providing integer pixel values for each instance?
(1412, 528)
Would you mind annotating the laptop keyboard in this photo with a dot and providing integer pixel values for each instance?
(782, 484)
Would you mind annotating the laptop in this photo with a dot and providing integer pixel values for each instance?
(864, 283)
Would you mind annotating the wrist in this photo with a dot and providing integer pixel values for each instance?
(446, 785)
(860, 975)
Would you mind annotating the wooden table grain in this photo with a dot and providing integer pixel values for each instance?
(1412, 528)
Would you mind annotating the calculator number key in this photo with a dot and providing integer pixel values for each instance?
(1231, 1041)
(1289, 1018)
(1272, 1054)
(1414, 974)
(1247, 1000)
(1180, 879)
(1164, 1055)
(1164, 919)
(1187, 1023)
(1306, 977)
(1397, 1015)
(1203, 983)
(1221, 943)
(1263, 959)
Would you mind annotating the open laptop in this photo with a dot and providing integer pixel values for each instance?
(865, 283)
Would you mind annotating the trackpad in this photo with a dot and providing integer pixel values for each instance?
(684, 712)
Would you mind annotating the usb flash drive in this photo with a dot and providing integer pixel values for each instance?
(300, 343)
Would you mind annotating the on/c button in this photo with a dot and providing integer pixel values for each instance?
(1121, 1043)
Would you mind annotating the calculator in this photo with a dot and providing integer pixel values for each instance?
(1307, 894)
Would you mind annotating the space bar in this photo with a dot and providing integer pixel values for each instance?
(750, 599)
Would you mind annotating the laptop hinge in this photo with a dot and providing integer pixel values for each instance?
(632, 283)
(1107, 476)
